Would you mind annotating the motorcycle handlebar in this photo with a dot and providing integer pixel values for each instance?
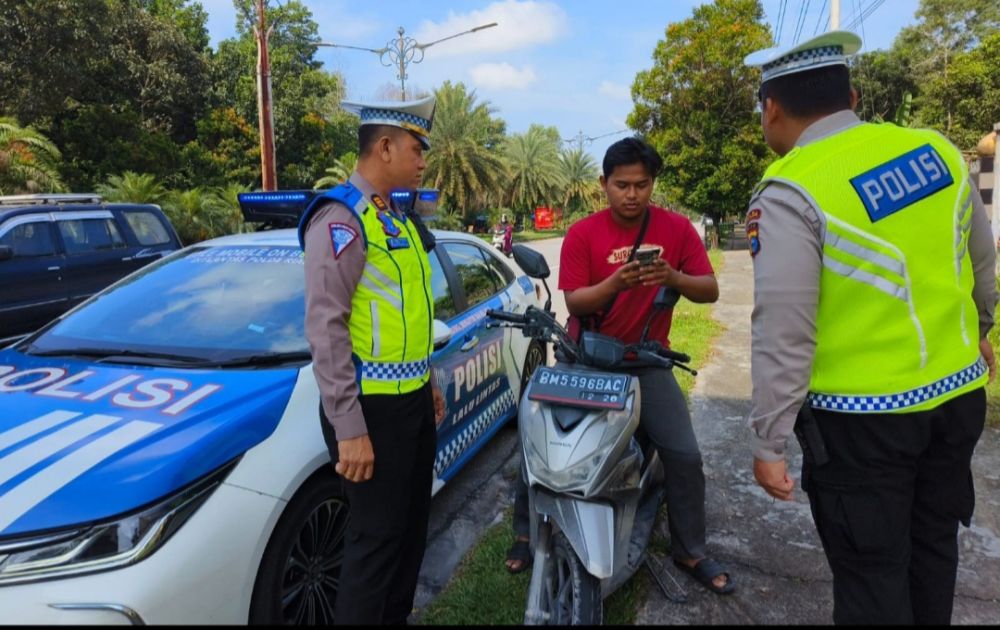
(504, 316)
(679, 357)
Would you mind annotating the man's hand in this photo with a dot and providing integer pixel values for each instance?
(986, 348)
(356, 459)
(626, 276)
(773, 478)
(658, 273)
(439, 407)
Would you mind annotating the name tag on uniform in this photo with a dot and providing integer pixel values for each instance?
(902, 182)
(397, 243)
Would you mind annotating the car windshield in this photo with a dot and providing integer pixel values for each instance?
(205, 303)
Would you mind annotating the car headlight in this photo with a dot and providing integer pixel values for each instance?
(592, 451)
(105, 546)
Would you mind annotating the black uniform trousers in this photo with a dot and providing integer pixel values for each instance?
(887, 507)
(665, 418)
(387, 532)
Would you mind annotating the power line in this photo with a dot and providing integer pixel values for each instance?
(866, 13)
(781, 21)
(820, 19)
(803, 11)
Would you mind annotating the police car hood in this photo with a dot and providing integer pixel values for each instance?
(82, 442)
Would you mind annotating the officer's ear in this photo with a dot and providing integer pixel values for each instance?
(383, 147)
(854, 99)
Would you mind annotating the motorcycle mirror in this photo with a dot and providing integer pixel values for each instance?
(666, 297)
(442, 334)
(532, 262)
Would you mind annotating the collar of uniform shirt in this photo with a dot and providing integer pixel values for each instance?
(827, 126)
(368, 190)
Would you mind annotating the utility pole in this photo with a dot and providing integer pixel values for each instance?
(269, 178)
(834, 15)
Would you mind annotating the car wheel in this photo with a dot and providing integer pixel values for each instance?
(299, 575)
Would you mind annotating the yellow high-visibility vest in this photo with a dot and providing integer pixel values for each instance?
(392, 311)
(897, 329)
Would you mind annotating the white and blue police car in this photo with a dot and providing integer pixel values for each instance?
(161, 459)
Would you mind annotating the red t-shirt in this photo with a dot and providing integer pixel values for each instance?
(595, 247)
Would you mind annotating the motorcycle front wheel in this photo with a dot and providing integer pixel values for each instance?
(573, 594)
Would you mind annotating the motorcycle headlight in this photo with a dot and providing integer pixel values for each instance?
(591, 451)
(105, 546)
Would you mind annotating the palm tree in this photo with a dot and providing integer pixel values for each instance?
(132, 188)
(535, 173)
(582, 191)
(340, 172)
(461, 162)
(28, 160)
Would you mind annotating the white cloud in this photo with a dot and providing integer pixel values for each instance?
(520, 24)
(615, 90)
(502, 76)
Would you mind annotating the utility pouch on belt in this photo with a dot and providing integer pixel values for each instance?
(807, 431)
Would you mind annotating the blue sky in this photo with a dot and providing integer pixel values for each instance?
(566, 63)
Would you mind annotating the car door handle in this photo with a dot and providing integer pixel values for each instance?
(470, 344)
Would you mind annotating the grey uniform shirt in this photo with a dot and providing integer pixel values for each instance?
(786, 294)
(330, 284)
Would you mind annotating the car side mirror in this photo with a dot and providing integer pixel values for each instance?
(532, 262)
(442, 334)
(666, 298)
(6, 252)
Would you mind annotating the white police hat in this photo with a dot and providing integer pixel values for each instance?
(829, 49)
(414, 116)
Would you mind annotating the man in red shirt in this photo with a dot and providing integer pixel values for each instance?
(608, 289)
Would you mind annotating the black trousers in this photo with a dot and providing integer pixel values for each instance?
(387, 532)
(665, 418)
(887, 507)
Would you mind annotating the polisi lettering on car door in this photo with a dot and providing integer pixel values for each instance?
(472, 370)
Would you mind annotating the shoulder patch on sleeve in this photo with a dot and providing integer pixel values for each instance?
(341, 236)
(753, 231)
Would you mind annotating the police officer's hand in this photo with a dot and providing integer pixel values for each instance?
(658, 273)
(356, 459)
(986, 348)
(439, 408)
(627, 276)
(773, 478)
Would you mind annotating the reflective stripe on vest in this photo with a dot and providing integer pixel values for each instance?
(895, 308)
(391, 309)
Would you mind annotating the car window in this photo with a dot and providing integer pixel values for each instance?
(81, 236)
(479, 279)
(147, 227)
(226, 300)
(503, 272)
(30, 240)
(444, 301)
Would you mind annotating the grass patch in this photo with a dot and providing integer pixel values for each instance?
(482, 592)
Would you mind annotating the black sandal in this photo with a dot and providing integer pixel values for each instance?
(707, 570)
(520, 551)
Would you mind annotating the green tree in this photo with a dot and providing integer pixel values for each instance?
(132, 187)
(696, 106)
(965, 103)
(340, 172)
(882, 79)
(460, 163)
(582, 192)
(536, 176)
(28, 160)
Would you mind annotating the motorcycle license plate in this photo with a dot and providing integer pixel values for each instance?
(599, 390)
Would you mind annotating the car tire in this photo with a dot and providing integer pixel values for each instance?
(534, 357)
(300, 571)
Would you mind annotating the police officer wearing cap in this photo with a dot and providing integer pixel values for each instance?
(874, 292)
(369, 318)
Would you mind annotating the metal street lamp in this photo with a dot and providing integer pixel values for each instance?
(402, 51)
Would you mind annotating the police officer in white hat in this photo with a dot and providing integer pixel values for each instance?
(369, 316)
(874, 292)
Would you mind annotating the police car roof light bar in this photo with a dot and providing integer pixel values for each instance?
(49, 198)
(282, 208)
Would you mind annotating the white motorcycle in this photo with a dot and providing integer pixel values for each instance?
(595, 483)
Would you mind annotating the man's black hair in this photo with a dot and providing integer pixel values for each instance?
(818, 92)
(632, 151)
(369, 134)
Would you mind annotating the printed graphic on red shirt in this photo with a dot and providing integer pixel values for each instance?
(596, 247)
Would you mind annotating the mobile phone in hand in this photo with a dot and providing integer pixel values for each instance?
(647, 255)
